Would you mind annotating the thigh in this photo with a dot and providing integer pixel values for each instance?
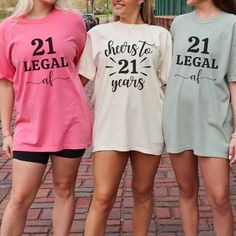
(185, 166)
(215, 172)
(26, 177)
(108, 170)
(144, 168)
(65, 169)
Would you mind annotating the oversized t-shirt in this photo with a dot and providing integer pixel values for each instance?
(197, 109)
(125, 61)
(40, 57)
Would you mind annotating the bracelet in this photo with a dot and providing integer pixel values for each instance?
(233, 135)
(5, 136)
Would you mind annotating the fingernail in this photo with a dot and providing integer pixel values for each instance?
(230, 157)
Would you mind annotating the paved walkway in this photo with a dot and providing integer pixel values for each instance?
(165, 220)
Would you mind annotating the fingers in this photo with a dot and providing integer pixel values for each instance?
(8, 151)
(232, 153)
(232, 160)
(7, 148)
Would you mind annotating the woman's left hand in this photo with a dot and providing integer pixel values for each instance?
(232, 151)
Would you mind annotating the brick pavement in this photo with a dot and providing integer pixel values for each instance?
(165, 220)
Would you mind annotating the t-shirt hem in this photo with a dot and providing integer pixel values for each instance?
(198, 152)
(4, 77)
(50, 149)
(129, 148)
(231, 79)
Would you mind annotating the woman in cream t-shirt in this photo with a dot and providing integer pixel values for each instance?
(125, 59)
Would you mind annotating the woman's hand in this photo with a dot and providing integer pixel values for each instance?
(6, 108)
(7, 146)
(232, 151)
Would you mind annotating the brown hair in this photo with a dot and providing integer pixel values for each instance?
(226, 5)
(146, 12)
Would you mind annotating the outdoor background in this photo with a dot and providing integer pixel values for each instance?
(100, 7)
(165, 218)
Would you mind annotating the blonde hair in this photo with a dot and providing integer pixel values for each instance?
(146, 12)
(23, 7)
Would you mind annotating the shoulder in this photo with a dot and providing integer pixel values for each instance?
(180, 21)
(160, 31)
(182, 18)
(72, 15)
(229, 18)
(8, 22)
(102, 29)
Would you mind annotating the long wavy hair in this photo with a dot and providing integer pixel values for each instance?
(226, 5)
(23, 7)
(146, 11)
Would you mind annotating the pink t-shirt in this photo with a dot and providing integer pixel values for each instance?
(40, 57)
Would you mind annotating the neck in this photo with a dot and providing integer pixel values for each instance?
(206, 10)
(40, 10)
(132, 19)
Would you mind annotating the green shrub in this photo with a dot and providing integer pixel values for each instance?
(4, 14)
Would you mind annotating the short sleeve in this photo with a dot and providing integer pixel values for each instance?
(231, 73)
(87, 67)
(172, 27)
(81, 39)
(166, 58)
(7, 70)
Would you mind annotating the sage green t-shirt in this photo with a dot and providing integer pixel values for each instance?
(197, 109)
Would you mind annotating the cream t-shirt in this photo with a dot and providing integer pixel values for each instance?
(125, 61)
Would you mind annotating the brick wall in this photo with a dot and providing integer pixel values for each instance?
(165, 21)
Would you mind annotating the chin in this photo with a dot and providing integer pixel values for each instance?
(190, 2)
(117, 13)
(194, 2)
(50, 2)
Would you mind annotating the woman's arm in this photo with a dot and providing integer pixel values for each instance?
(6, 108)
(232, 147)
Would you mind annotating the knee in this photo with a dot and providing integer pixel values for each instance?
(220, 203)
(20, 201)
(188, 192)
(142, 194)
(63, 190)
(103, 201)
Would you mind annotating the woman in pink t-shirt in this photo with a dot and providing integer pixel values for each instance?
(40, 47)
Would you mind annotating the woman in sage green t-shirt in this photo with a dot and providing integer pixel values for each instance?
(198, 117)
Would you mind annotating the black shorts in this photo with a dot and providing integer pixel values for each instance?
(42, 157)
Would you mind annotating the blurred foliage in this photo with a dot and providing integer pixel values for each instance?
(93, 6)
(89, 6)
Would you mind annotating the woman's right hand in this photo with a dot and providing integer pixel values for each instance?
(6, 108)
(7, 146)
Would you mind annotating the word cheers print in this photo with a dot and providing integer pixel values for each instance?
(133, 69)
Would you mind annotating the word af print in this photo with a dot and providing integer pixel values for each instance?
(129, 62)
